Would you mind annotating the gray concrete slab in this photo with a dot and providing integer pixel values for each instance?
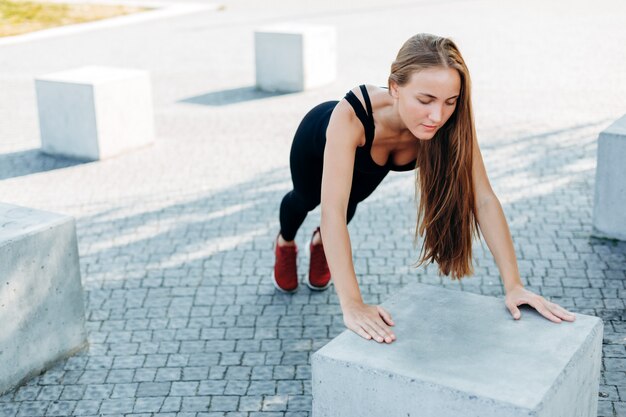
(461, 354)
(42, 311)
(609, 208)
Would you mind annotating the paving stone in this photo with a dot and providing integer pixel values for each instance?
(231, 358)
(61, 408)
(605, 409)
(148, 404)
(237, 387)
(117, 406)
(32, 408)
(195, 373)
(72, 392)
(124, 390)
(97, 391)
(145, 375)
(262, 388)
(171, 404)
(617, 364)
(238, 372)
(195, 404)
(266, 414)
(275, 403)
(168, 374)
(299, 402)
(153, 389)
(9, 409)
(224, 403)
(289, 387)
(608, 392)
(120, 376)
(87, 407)
(26, 393)
(128, 362)
(184, 389)
(211, 387)
(93, 377)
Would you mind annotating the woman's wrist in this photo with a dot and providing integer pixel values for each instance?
(348, 302)
(508, 287)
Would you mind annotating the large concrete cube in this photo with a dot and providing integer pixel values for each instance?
(42, 316)
(294, 57)
(609, 208)
(93, 112)
(461, 354)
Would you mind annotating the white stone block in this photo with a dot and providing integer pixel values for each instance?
(461, 354)
(94, 113)
(294, 57)
(42, 316)
(609, 205)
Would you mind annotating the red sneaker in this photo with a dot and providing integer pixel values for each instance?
(285, 270)
(319, 274)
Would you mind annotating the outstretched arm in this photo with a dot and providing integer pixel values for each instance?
(342, 138)
(495, 230)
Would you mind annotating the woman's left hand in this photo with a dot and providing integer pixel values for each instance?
(552, 311)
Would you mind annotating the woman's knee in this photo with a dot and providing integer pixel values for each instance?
(299, 201)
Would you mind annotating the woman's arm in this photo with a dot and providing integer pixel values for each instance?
(343, 136)
(495, 230)
(493, 225)
(342, 139)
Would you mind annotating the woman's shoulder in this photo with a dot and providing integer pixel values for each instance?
(345, 115)
(378, 96)
(370, 89)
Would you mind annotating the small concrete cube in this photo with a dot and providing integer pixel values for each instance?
(609, 205)
(42, 314)
(461, 354)
(93, 113)
(294, 57)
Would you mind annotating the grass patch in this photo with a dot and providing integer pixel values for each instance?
(18, 16)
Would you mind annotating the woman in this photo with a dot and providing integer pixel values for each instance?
(423, 120)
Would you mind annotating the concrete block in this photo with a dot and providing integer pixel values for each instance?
(42, 316)
(294, 57)
(609, 204)
(93, 112)
(461, 354)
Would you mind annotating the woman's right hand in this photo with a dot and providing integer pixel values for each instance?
(369, 321)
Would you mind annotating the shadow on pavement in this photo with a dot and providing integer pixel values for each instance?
(32, 161)
(232, 96)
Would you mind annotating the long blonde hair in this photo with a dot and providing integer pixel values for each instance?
(446, 215)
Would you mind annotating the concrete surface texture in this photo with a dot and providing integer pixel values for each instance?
(293, 57)
(461, 354)
(609, 208)
(42, 310)
(94, 112)
(176, 239)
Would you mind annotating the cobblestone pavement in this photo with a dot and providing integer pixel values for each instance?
(176, 238)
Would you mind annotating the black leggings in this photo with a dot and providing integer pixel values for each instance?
(306, 165)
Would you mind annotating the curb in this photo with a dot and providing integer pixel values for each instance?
(161, 10)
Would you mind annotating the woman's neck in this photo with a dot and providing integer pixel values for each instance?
(394, 131)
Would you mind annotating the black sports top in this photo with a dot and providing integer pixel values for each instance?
(363, 157)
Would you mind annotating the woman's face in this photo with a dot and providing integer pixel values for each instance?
(428, 100)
